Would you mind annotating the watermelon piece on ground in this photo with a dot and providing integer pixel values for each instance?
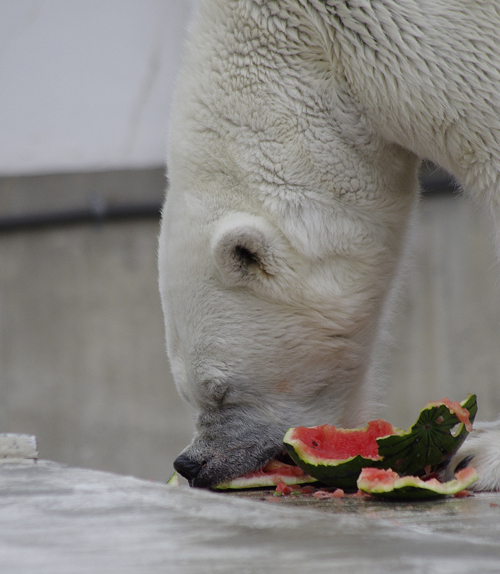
(432, 440)
(173, 480)
(385, 483)
(336, 456)
(272, 474)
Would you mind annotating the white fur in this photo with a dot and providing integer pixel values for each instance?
(296, 135)
(481, 451)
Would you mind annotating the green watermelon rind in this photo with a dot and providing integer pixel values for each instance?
(173, 480)
(413, 488)
(398, 451)
(344, 473)
(268, 480)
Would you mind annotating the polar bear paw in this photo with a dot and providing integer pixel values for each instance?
(481, 450)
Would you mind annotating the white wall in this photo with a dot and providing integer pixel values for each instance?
(86, 84)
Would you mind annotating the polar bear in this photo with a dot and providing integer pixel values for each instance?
(297, 131)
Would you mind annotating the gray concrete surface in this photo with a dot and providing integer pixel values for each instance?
(446, 337)
(56, 519)
(40, 195)
(82, 359)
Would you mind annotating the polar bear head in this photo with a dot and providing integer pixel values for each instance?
(269, 325)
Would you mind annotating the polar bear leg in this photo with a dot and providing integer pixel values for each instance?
(481, 451)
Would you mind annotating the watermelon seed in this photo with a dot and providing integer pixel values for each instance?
(314, 443)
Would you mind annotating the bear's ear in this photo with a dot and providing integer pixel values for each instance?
(245, 249)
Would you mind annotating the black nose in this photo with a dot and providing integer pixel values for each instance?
(187, 467)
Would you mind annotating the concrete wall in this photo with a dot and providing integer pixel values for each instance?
(87, 85)
(446, 336)
(82, 356)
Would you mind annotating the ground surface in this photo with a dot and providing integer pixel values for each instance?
(60, 519)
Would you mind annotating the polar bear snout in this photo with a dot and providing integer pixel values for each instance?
(225, 449)
(206, 468)
(187, 467)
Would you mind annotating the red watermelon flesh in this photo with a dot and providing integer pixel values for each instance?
(276, 466)
(386, 483)
(379, 475)
(329, 442)
(388, 477)
(273, 473)
(456, 408)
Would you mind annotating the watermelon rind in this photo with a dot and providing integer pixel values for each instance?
(262, 481)
(428, 444)
(173, 480)
(414, 488)
(341, 473)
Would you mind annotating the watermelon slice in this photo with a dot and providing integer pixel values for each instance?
(386, 483)
(272, 474)
(431, 441)
(336, 456)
